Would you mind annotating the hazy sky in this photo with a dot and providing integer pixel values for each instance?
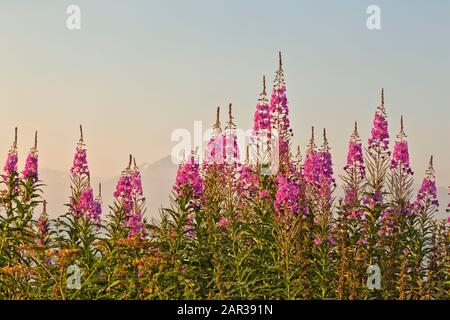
(137, 70)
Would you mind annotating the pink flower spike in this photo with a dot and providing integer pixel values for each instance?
(262, 116)
(80, 165)
(136, 224)
(188, 180)
(31, 167)
(88, 206)
(215, 153)
(287, 199)
(379, 135)
(355, 159)
(10, 167)
(427, 195)
(31, 164)
(400, 156)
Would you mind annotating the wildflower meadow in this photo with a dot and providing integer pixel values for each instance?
(267, 227)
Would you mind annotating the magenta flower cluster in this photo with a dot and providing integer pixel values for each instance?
(215, 150)
(42, 231)
(355, 160)
(248, 182)
(189, 181)
(387, 223)
(124, 191)
(80, 165)
(30, 171)
(230, 147)
(31, 166)
(136, 182)
(326, 169)
(136, 224)
(128, 189)
(400, 156)
(350, 196)
(287, 197)
(88, 206)
(379, 135)
(312, 167)
(427, 195)
(280, 118)
(129, 193)
(279, 109)
(10, 167)
(318, 171)
(262, 118)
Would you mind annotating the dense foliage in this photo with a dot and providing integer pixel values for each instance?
(235, 230)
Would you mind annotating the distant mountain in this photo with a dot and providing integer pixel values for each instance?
(157, 180)
(56, 190)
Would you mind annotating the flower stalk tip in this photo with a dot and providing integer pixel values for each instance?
(130, 161)
(31, 164)
(10, 167)
(35, 140)
(217, 125)
(430, 169)
(355, 158)
(15, 138)
(401, 153)
(381, 107)
(298, 156)
(99, 191)
(379, 139)
(325, 146)
(230, 123)
(280, 61)
(402, 133)
(279, 74)
(81, 134)
(263, 94)
(427, 193)
(355, 135)
(312, 144)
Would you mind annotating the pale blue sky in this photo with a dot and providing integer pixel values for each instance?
(137, 70)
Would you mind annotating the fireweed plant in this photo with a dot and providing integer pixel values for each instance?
(234, 230)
